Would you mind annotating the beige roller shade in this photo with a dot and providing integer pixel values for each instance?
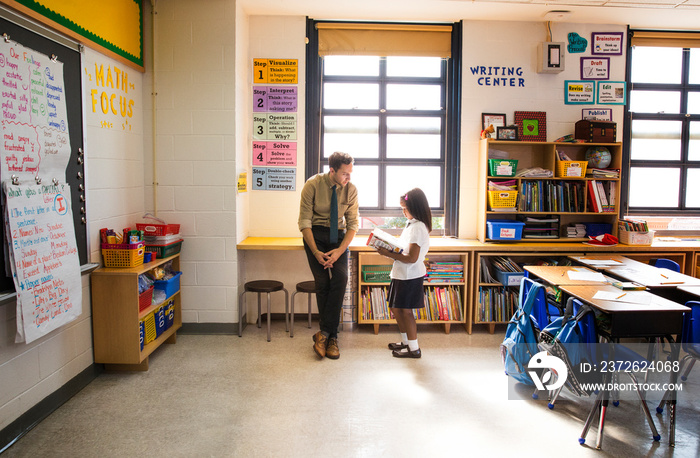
(384, 39)
(666, 39)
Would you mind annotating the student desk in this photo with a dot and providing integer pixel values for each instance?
(693, 290)
(656, 317)
(653, 277)
(598, 262)
(558, 275)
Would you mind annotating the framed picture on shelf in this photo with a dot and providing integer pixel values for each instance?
(532, 126)
(493, 119)
(508, 133)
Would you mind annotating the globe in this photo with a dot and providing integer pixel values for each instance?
(598, 157)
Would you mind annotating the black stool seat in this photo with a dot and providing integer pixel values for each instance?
(306, 287)
(264, 286)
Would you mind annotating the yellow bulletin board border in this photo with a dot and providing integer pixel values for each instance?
(81, 20)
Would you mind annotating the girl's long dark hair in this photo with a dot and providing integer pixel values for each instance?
(417, 205)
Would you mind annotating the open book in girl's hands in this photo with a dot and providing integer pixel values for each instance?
(379, 238)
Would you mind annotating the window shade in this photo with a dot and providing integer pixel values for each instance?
(384, 39)
(666, 39)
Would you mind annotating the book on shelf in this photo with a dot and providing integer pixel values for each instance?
(380, 239)
(633, 225)
(602, 173)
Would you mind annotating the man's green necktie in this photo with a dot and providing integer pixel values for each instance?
(334, 216)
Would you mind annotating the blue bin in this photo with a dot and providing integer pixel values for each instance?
(170, 287)
(169, 314)
(159, 315)
(504, 229)
(142, 333)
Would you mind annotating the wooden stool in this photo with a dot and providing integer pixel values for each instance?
(308, 287)
(263, 286)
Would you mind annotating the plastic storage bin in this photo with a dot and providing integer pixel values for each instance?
(163, 251)
(149, 324)
(636, 237)
(123, 254)
(503, 199)
(159, 316)
(509, 278)
(145, 299)
(170, 286)
(571, 168)
(376, 274)
(502, 167)
(169, 314)
(504, 229)
(152, 230)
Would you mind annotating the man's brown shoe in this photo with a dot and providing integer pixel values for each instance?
(320, 342)
(332, 350)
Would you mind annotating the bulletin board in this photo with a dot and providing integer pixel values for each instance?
(74, 176)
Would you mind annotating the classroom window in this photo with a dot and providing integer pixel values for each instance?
(391, 110)
(663, 119)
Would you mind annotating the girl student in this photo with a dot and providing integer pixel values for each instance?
(406, 288)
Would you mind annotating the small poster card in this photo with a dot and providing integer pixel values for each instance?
(612, 92)
(579, 92)
(607, 43)
(595, 68)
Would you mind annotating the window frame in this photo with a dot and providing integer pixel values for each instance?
(449, 115)
(684, 88)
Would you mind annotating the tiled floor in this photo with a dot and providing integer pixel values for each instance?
(231, 396)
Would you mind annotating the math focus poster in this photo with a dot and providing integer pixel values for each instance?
(44, 255)
(34, 118)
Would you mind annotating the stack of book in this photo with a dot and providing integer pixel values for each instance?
(551, 196)
(441, 304)
(602, 173)
(576, 230)
(444, 272)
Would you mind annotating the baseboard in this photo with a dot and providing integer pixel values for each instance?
(28, 420)
(209, 328)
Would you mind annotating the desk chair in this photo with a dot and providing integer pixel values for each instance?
(663, 263)
(260, 287)
(308, 287)
(623, 357)
(690, 342)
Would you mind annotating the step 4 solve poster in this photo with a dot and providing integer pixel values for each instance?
(44, 257)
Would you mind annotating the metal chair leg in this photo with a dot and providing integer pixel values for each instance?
(240, 313)
(260, 310)
(286, 310)
(291, 327)
(309, 299)
(268, 317)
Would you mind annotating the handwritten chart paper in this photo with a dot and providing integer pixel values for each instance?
(34, 117)
(45, 257)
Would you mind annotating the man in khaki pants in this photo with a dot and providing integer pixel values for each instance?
(328, 221)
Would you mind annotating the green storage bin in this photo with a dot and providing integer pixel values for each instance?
(503, 167)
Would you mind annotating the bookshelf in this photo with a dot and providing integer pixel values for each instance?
(497, 286)
(549, 205)
(445, 288)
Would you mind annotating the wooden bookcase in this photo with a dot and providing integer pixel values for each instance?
(544, 154)
(116, 316)
(374, 259)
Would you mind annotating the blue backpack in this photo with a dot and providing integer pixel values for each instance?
(564, 338)
(520, 342)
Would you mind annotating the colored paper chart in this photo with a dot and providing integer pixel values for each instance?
(275, 154)
(280, 99)
(44, 256)
(274, 179)
(34, 118)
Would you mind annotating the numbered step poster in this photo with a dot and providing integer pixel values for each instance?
(273, 126)
(44, 258)
(276, 154)
(274, 179)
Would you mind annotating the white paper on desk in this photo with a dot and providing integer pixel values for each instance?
(585, 276)
(602, 262)
(643, 299)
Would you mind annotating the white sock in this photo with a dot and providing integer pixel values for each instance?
(413, 345)
(404, 338)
